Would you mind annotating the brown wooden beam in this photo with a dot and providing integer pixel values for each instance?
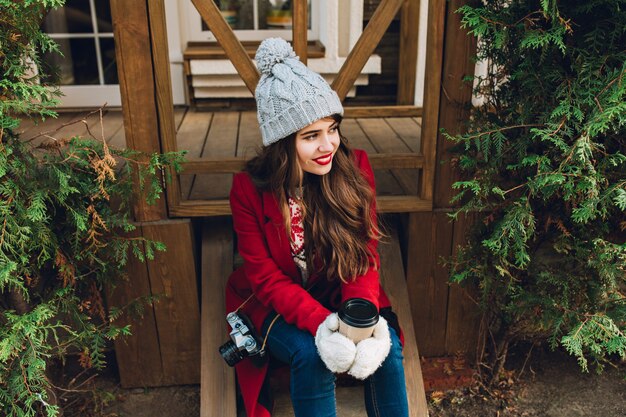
(384, 204)
(407, 62)
(300, 25)
(213, 50)
(365, 46)
(224, 34)
(382, 111)
(137, 87)
(234, 164)
(432, 92)
(455, 104)
(163, 82)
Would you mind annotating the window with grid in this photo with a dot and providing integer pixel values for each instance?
(258, 19)
(84, 31)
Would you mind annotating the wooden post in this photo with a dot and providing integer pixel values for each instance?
(138, 356)
(164, 348)
(432, 92)
(134, 62)
(441, 311)
(300, 25)
(462, 324)
(463, 327)
(224, 34)
(455, 102)
(407, 65)
(428, 297)
(163, 91)
(427, 280)
(365, 46)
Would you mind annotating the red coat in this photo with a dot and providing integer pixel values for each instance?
(270, 272)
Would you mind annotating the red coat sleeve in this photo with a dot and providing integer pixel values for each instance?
(368, 285)
(272, 287)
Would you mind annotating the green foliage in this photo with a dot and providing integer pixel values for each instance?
(545, 161)
(65, 226)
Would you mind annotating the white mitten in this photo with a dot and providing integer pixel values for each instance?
(336, 350)
(371, 352)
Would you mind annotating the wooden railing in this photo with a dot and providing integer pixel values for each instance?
(344, 81)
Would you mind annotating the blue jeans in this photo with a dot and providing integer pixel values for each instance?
(312, 385)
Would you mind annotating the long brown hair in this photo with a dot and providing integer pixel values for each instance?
(338, 218)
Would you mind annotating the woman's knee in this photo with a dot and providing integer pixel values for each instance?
(309, 375)
(305, 355)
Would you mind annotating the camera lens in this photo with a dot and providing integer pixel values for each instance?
(231, 354)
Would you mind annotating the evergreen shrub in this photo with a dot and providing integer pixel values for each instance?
(62, 243)
(544, 172)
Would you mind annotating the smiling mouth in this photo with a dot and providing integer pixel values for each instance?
(324, 160)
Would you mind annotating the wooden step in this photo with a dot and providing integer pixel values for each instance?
(350, 399)
(217, 380)
(350, 403)
(392, 278)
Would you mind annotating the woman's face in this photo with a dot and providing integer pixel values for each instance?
(316, 145)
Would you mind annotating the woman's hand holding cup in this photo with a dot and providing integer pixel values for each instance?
(355, 340)
(359, 321)
(371, 352)
(335, 349)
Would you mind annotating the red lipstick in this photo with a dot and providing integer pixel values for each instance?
(324, 160)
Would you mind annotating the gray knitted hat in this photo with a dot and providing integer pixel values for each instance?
(289, 96)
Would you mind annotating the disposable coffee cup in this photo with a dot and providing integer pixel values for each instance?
(357, 319)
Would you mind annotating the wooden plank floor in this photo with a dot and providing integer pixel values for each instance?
(230, 134)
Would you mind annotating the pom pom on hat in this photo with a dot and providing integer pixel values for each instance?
(273, 51)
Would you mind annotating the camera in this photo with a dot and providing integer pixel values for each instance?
(244, 341)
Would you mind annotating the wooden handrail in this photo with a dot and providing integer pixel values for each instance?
(365, 46)
(300, 25)
(384, 204)
(432, 93)
(407, 61)
(232, 46)
(236, 163)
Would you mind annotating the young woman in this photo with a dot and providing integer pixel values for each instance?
(304, 214)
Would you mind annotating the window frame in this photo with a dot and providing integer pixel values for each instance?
(195, 32)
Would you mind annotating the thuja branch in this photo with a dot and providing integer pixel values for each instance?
(554, 67)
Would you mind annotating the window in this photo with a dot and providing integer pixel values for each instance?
(84, 31)
(254, 20)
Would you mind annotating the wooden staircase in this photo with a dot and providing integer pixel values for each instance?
(218, 390)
